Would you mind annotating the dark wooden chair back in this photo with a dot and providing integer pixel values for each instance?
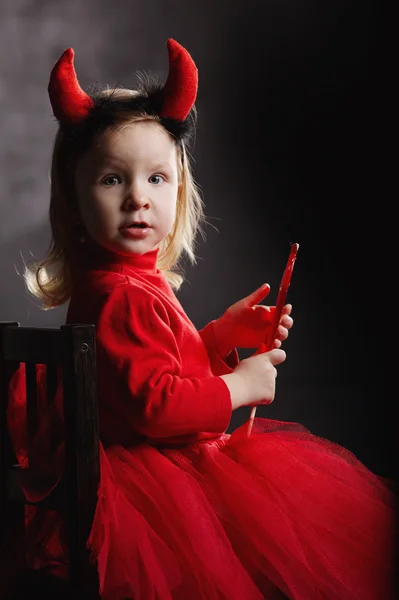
(71, 347)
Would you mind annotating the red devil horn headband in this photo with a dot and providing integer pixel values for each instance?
(180, 89)
(71, 104)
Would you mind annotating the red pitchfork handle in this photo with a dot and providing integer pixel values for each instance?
(281, 299)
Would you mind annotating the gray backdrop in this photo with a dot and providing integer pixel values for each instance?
(287, 150)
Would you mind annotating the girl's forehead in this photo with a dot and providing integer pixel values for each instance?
(139, 138)
(140, 143)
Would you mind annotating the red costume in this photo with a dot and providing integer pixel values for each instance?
(187, 514)
(185, 511)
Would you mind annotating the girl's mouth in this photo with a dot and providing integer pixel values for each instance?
(135, 231)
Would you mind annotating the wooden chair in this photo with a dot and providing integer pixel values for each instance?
(71, 347)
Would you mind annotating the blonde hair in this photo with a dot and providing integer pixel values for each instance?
(51, 279)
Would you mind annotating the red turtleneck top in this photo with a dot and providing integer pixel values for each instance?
(158, 377)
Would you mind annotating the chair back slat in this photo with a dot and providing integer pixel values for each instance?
(7, 457)
(12, 515)
(21, 344)
(81, 451)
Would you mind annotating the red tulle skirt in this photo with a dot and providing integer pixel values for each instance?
(281, 514)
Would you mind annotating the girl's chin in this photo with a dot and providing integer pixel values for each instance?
(125, 245)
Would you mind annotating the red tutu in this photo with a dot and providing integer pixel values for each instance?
(281, 513)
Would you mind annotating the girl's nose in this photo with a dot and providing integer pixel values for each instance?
(136, 198)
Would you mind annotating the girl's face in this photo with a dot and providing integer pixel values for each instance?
(131, 176)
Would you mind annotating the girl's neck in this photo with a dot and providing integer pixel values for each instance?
(92, 254)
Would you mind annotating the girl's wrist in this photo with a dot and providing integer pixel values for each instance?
(236, 386)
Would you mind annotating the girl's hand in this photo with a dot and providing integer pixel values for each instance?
(253, 381)
(246, 324)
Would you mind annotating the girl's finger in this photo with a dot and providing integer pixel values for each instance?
(286, 321)
(282, 333)
(287, 309)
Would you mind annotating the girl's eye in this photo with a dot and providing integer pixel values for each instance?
(111, 180)
(156, 179)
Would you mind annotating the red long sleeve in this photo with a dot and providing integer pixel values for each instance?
(144, 359)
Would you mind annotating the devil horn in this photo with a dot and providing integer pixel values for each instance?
(180, 90)
(70, 103)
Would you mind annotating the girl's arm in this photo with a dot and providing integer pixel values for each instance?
(140, 370)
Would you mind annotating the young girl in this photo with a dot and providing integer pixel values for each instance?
(184, 510)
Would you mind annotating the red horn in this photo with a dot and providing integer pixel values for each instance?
(180, 89)
(70, 103)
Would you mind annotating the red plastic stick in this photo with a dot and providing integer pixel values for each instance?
(280, 303)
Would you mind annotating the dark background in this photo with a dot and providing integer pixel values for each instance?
(290, 148)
